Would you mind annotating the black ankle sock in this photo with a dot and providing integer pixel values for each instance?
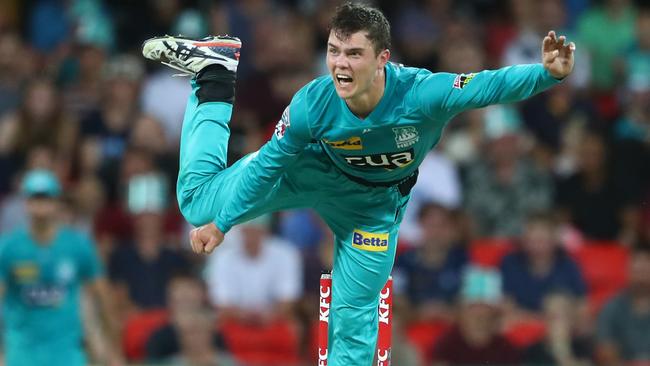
(216, 84)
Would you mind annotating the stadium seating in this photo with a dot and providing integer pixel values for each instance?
(488, 252)
(604, 266)
(137, 330)
(424, 335)
(525, 333)
(275, 344)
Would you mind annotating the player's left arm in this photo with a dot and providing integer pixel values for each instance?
(445, 94)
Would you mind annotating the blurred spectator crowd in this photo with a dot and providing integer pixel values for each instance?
(526, 239)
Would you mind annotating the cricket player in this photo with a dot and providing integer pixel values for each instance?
(42, 269)
(348, 145)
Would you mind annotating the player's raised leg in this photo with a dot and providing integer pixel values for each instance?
(212, 64)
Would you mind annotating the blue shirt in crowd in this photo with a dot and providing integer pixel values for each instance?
(428, 283)
(528, 290)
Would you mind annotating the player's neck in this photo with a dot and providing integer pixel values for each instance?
(362, 105)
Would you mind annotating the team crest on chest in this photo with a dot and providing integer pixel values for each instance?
(406, 136)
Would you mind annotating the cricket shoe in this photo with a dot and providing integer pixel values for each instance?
(191, 55)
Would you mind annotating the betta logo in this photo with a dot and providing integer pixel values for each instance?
(369, 241)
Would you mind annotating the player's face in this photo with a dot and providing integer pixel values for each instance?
(42, 208)
(354, 64)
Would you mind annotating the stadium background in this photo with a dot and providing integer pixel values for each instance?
(76, 97)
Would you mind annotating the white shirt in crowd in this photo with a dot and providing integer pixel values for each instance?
(254, 284)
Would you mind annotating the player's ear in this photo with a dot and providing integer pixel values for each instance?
(383, 57)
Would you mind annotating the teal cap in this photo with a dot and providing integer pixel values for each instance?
(41, 182)
(481, 285)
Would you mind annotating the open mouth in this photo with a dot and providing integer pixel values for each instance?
(344, 80)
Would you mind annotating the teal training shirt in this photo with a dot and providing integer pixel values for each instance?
(391, 142)
(41, 302)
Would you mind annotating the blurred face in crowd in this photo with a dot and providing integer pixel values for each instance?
(148, 134)
(591, 154)
(643, 29)
(148, 225)
(437, 226)
(195, 330)
(354, 64)
(640, 273)
(462, 57)
(42, 208)
(184, 295)
(539, 239)
(504, 149)
(551, 15)
(478, 322)
(41, 101)
(253, 239)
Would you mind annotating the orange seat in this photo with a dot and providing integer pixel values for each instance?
(525, 333)
(424, 335)
(490, 251)
(273, 344)
(138, 329)
(604, 267)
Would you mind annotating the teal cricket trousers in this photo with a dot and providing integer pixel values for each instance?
(365, 220)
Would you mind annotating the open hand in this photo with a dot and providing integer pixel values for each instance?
(557, 56)
(205, 238)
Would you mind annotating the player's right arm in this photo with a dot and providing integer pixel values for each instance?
(260, 172)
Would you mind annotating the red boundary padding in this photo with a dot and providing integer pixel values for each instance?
(604, 266)
(273, 344)
(525, 333)
(490, 251)
(138, 329)
(424, 335)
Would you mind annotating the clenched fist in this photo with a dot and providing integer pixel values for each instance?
(205, 238)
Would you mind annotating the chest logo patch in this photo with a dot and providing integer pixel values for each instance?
(353, 143)
(406, 136)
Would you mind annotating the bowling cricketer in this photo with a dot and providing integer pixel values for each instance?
(348, 146)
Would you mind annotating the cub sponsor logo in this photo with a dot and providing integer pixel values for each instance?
(353, 143)
(388, 161)
(462, 80)
(283, 124)
(405, 136)
(372, 242)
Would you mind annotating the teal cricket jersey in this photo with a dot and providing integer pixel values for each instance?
(392, 141)
(42, 283)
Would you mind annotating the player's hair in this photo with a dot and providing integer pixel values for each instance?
(354, 17)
